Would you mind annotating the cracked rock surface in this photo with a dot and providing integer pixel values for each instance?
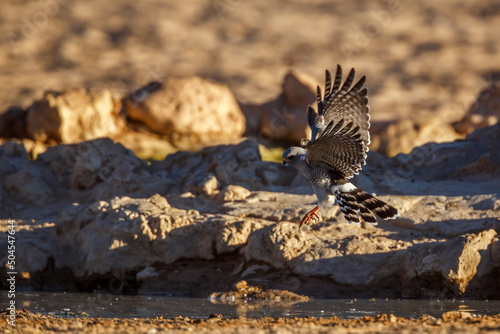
(92, 216)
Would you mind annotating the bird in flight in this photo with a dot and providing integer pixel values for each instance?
(337, 150)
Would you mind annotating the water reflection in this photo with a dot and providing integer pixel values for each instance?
(107, 305)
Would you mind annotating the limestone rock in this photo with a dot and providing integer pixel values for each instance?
(34, 245)
(27, 186)
(244, 292)
(284, 119)
(34, 148)
(147, 273)
(233, 193)
(13, 123)
(299, 89)
(101, 169)
(100, 237)
(404, 135)
(74, 116)
(485, 111)
(101, 166)
(476, 157)
(190, 111)
(457, 261)
(203, 184)
(13, 150)
(163, 227)
(145, 145)
(230, 164)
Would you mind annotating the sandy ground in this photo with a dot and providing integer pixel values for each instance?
(422, 58)
(451, 322)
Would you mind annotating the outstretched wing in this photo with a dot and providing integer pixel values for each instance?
(338, 149)
(341, 102)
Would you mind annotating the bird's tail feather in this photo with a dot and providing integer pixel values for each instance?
(356, 204)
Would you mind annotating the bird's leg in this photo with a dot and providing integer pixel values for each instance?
(311, 215)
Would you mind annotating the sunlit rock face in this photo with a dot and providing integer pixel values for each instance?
(189, 111)
(206, 220)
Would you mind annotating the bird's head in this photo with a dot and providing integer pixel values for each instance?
(294, 155)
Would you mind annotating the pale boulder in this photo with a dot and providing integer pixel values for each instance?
(189, 111)
(485, 111)
(74, 116)
(233, 193)
(402, 136)
(284, 119)
(203, 184)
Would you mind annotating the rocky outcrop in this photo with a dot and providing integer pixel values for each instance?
(402, 136)
(191, 113)
(95, 215)
(485, 111)
(156, 120)
(284, 119)
(74, 116)
(477, 158)
(188, 111)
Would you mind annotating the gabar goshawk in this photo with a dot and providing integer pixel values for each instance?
(337, 150)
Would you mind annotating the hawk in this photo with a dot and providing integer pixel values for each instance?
(337, 150)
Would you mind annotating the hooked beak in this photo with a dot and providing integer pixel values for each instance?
(285, 161)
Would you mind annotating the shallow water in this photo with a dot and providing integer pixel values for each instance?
(108, 305)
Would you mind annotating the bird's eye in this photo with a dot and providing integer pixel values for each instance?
(291, 156)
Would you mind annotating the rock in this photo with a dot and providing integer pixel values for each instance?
(453, 315)
(203, 184)
(100, 165)
(73, 116)
(456, 261)
(145, 145)
(13, 158)
(147, 273)
(485, 111)
(34, 148)
(162, 226)
(473, 121)
(477, 157)
(299, 90)
(402, 136)
(244, 293)
(35, 256)
(34, 245)
(13, 123)
(190, 111)
(284, 119)
(233, 193)
(106, 232)
(13, 149)
(230, 164)
(101, 169)
(27, 186)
